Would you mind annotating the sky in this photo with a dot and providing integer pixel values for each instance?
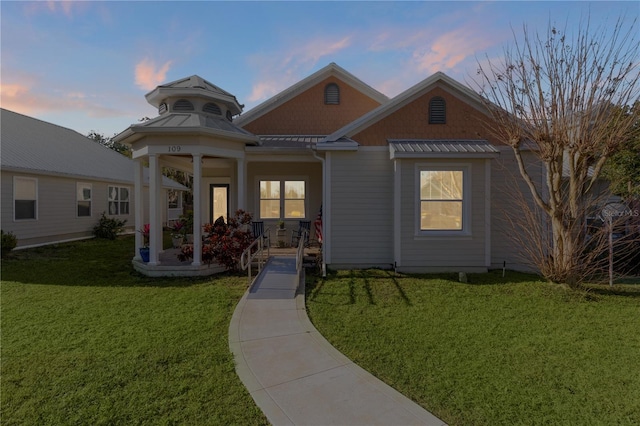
(87, 65)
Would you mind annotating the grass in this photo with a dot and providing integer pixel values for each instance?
(86, 340)
(496, 351)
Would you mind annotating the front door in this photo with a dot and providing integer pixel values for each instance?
(219, 201)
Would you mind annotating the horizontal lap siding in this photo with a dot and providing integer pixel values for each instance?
(362, 208)
(56, 210)
(438, 252)
(508, 190)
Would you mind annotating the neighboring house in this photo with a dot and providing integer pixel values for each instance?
(56, 182)
(416, 182)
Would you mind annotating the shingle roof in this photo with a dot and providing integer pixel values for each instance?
(35, 146)
(444, 148)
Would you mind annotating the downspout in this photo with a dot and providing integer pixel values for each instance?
(324, 206)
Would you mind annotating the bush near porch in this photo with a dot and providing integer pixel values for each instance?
(85, 340)
(496, 351)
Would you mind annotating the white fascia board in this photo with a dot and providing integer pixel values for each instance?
(266, 158)
(41, 172)
(141, 130)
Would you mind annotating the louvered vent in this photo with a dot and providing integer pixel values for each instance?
(183, 105)
(332, 94)
(212, 108)
(437, 111)
(162, 108)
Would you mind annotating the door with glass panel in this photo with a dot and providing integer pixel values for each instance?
(218, 201)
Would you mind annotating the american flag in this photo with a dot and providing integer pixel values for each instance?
(318, 225)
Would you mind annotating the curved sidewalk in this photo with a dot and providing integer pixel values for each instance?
(295, 376)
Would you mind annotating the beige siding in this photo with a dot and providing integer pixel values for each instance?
(436, 253)
(56, 210)
(508, 192)
(361, 209)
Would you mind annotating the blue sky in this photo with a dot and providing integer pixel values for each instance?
(87, 65)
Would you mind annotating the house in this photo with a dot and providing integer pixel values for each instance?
(416, 182)
(56, 183)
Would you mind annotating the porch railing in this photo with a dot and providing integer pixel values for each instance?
(300, 252)
(256, 249)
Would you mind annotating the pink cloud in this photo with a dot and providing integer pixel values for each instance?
(280, 70)
(148, 76)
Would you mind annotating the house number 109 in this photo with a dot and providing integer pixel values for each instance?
(175, 148)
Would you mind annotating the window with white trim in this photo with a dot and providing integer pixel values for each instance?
(25, 198)
(83, 199)
(443, 199)
(282, 199)
(118, 200)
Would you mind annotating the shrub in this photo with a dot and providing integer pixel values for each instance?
(224, 242)
(9, 242)
(108, 228)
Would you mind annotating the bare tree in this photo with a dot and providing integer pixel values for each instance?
(571, 100)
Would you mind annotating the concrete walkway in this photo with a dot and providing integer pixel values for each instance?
(295, 376)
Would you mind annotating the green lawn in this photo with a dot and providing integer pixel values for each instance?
(85, 340)
(492, 352)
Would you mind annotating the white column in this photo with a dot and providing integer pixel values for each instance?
(241, 184)
(197, 209)
(155, 229)
(138, 191)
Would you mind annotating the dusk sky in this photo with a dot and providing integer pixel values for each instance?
(88, 65)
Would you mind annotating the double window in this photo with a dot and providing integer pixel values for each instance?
(444, 199)
(83, 199)
(118, 200)
(25, 198)
(282, 199)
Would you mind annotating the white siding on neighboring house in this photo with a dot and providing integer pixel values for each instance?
(361, 208)
(57, 218)
(442, 251)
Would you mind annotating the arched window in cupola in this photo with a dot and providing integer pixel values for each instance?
(212, 108)
(332, 94)
(183, 105)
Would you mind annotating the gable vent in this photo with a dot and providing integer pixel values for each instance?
(183, 105)
(437, 111)
(332, 94)
(212, 108)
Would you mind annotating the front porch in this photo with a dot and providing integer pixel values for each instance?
(170, 266)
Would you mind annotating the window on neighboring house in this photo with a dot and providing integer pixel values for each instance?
(83, 199)
(442, 200)
(25, 198)
(437, 111)
(175, 199)
(282, 199)
(332, 94)
(118, 200)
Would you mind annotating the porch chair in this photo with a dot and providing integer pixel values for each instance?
(304, 225)
(257, 229)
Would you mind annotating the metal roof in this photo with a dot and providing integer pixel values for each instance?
(298, 141)
(441, 148)
(188, 122)
(34, 146)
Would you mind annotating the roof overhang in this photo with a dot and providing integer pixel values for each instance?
(445, 148)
